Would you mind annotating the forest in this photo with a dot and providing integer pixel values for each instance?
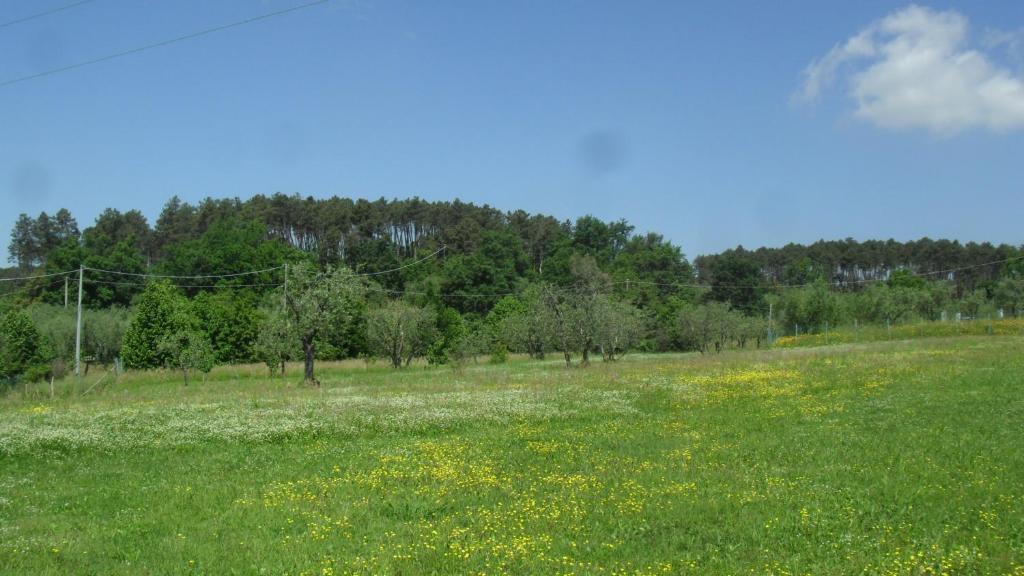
(279, 278)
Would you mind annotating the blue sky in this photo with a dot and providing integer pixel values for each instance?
(714, 123)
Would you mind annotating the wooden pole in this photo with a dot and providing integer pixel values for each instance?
(78, 325)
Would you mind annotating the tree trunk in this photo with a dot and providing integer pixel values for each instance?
(310, 351)
(185, 371)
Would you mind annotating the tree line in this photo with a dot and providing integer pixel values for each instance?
(849, 264)
(360, 283)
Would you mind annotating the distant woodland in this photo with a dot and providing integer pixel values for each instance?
(473, 279)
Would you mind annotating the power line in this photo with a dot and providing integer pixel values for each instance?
(435, 252)
(250, 273)
(25, 290)
(44, 13)
(162, 43)
(271, 285)
(173, 277)
(441, 294)
(37, 276)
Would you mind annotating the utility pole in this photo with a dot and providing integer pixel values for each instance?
(78, 325)
(284, 301)
(771, 331)
(65, 291)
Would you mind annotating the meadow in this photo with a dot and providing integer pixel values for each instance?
(889, 457)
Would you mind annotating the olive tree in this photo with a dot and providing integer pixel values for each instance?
(1009, 295)
(557, 304)
(573, 313)
(619, 327)
(587, 295)
(400, 331)
(187, 350)
(275, 343)
(706, 325)
(531, 329)
(316, 300)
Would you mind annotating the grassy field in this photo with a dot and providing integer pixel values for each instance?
(873, 333)
(880, 458)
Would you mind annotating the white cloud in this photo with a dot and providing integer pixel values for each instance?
(915, 69)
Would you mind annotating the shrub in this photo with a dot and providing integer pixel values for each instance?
(22, 352)
(161, 311)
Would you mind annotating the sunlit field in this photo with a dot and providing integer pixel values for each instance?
(899, 457)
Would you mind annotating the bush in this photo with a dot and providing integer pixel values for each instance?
(161, 311)
(22, 352)
(451, 330)
(499, 352)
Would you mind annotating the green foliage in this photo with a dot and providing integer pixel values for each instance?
(714, 325)
(619, 327)
(885, 304)
(451, 329)
(652, 275)
(801, 271)
(161, 311)
(903, 278)
(400, 332)
(187, 350)
(848, 263)
(102, 331)
(231, 322)
(276, 343)
(487, 255)
(495, 267)
(530, 328)
(22, 351)
(506, 308)
(32, 239)
(973, 304)
(316, 301)
(228, 246)
(810, 307)
(376, 257)
(737, 280)
(1008, 294)
(56, 326)
(498, 352)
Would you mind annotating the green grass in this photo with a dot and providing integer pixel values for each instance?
(914, 330)
(883, 458)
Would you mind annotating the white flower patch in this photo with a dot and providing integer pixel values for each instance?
(341, 414)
